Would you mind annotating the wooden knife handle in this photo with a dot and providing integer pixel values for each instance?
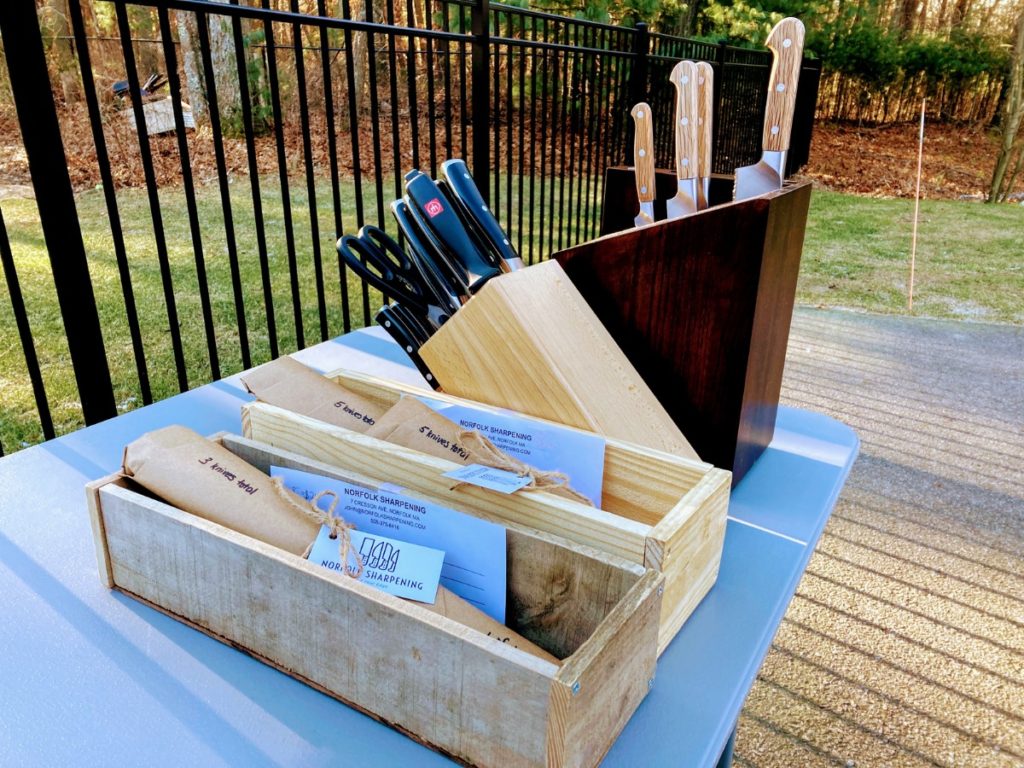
(643, 152)
(706, 112)
(786, 41)
(684, 78)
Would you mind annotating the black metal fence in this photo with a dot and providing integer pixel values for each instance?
(192, 254)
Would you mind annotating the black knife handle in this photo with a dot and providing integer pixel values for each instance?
(437, 214)
(435, 269)
(466, 192)
(394, 324)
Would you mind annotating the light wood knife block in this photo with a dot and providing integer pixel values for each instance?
(528, 341)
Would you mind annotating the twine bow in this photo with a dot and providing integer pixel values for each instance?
(336, 524)
(483, 451)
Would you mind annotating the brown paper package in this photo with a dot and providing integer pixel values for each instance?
(202, 477)
(413, 424)
(289, 384)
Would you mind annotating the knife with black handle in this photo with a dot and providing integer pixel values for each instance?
(437, 215)
(396, 325)
(477, 214)
(449, 286)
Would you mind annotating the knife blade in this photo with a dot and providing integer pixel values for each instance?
(684, 78)
(466, 193)
(437, 215)
(392, 322)
(705, 116)
(643, 162)
(786, 42)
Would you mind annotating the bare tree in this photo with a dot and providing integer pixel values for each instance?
(1010, 120)
(225, 71)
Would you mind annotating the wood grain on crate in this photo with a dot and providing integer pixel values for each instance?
(455, 689)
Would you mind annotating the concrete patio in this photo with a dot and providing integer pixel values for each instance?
(904, 645)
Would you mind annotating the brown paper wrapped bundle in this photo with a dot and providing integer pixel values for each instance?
(203, 478)
(289, 384)
(413, 424)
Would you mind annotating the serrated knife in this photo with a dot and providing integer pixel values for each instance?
(684, 78)
(705, 137)
(786, 42)
(643, 162)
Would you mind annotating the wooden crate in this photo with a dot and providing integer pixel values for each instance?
(529, 342)
(659, 510)
(701, 306)
(450, 687)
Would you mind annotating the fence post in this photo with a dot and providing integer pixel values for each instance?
(40, 131)
(716, 113)
(481, 95)
(638, 75)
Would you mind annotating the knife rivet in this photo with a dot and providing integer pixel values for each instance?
(484, 206)
(780, 87)
(700, 81)
(387, 323)
(408, 349)
(685, 79)
(642, 153)
(506, 242)
(685, 121)
(640, 114)
(786, 43)
(775, 129)
(643, 190)
(430, 377)
(686, 161)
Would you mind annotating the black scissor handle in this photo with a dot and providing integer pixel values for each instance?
(386, 268)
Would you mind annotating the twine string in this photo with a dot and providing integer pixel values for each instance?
(482, 451)
(337, 525)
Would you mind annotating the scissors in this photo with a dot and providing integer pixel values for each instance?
(382, 263)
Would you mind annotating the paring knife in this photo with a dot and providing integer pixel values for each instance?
(643, 162)
(396, 325)
(786, 42)
(478, 215)
(705, 116)
(439, 217)
(684, 78)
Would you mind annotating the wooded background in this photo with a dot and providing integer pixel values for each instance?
(880, 58)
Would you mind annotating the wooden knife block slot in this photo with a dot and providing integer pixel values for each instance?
(529, 342)
(701, 306)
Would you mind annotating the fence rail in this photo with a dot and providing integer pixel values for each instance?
(179, 257)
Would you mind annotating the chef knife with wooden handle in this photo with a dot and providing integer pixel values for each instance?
(705, 116)
(643, 162)
(786, 41)
(684, 78)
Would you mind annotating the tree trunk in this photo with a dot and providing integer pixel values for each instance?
(225, 68)
(1012, 112)
(360, 58)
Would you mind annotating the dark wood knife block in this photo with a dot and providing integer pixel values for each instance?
(701, 306)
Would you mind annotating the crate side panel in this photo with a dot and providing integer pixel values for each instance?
(434, 681)
(390, 463)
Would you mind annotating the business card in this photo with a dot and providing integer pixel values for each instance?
(550, 447)
(397, 567)
(474, 549)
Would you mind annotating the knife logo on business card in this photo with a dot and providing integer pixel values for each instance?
(434, 208)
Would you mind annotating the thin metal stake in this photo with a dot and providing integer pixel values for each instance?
(917, 209)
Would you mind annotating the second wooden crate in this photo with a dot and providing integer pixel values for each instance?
(661, 511)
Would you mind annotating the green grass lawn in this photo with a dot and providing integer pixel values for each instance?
(969, 262)
(19, 422)
(969, 265)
